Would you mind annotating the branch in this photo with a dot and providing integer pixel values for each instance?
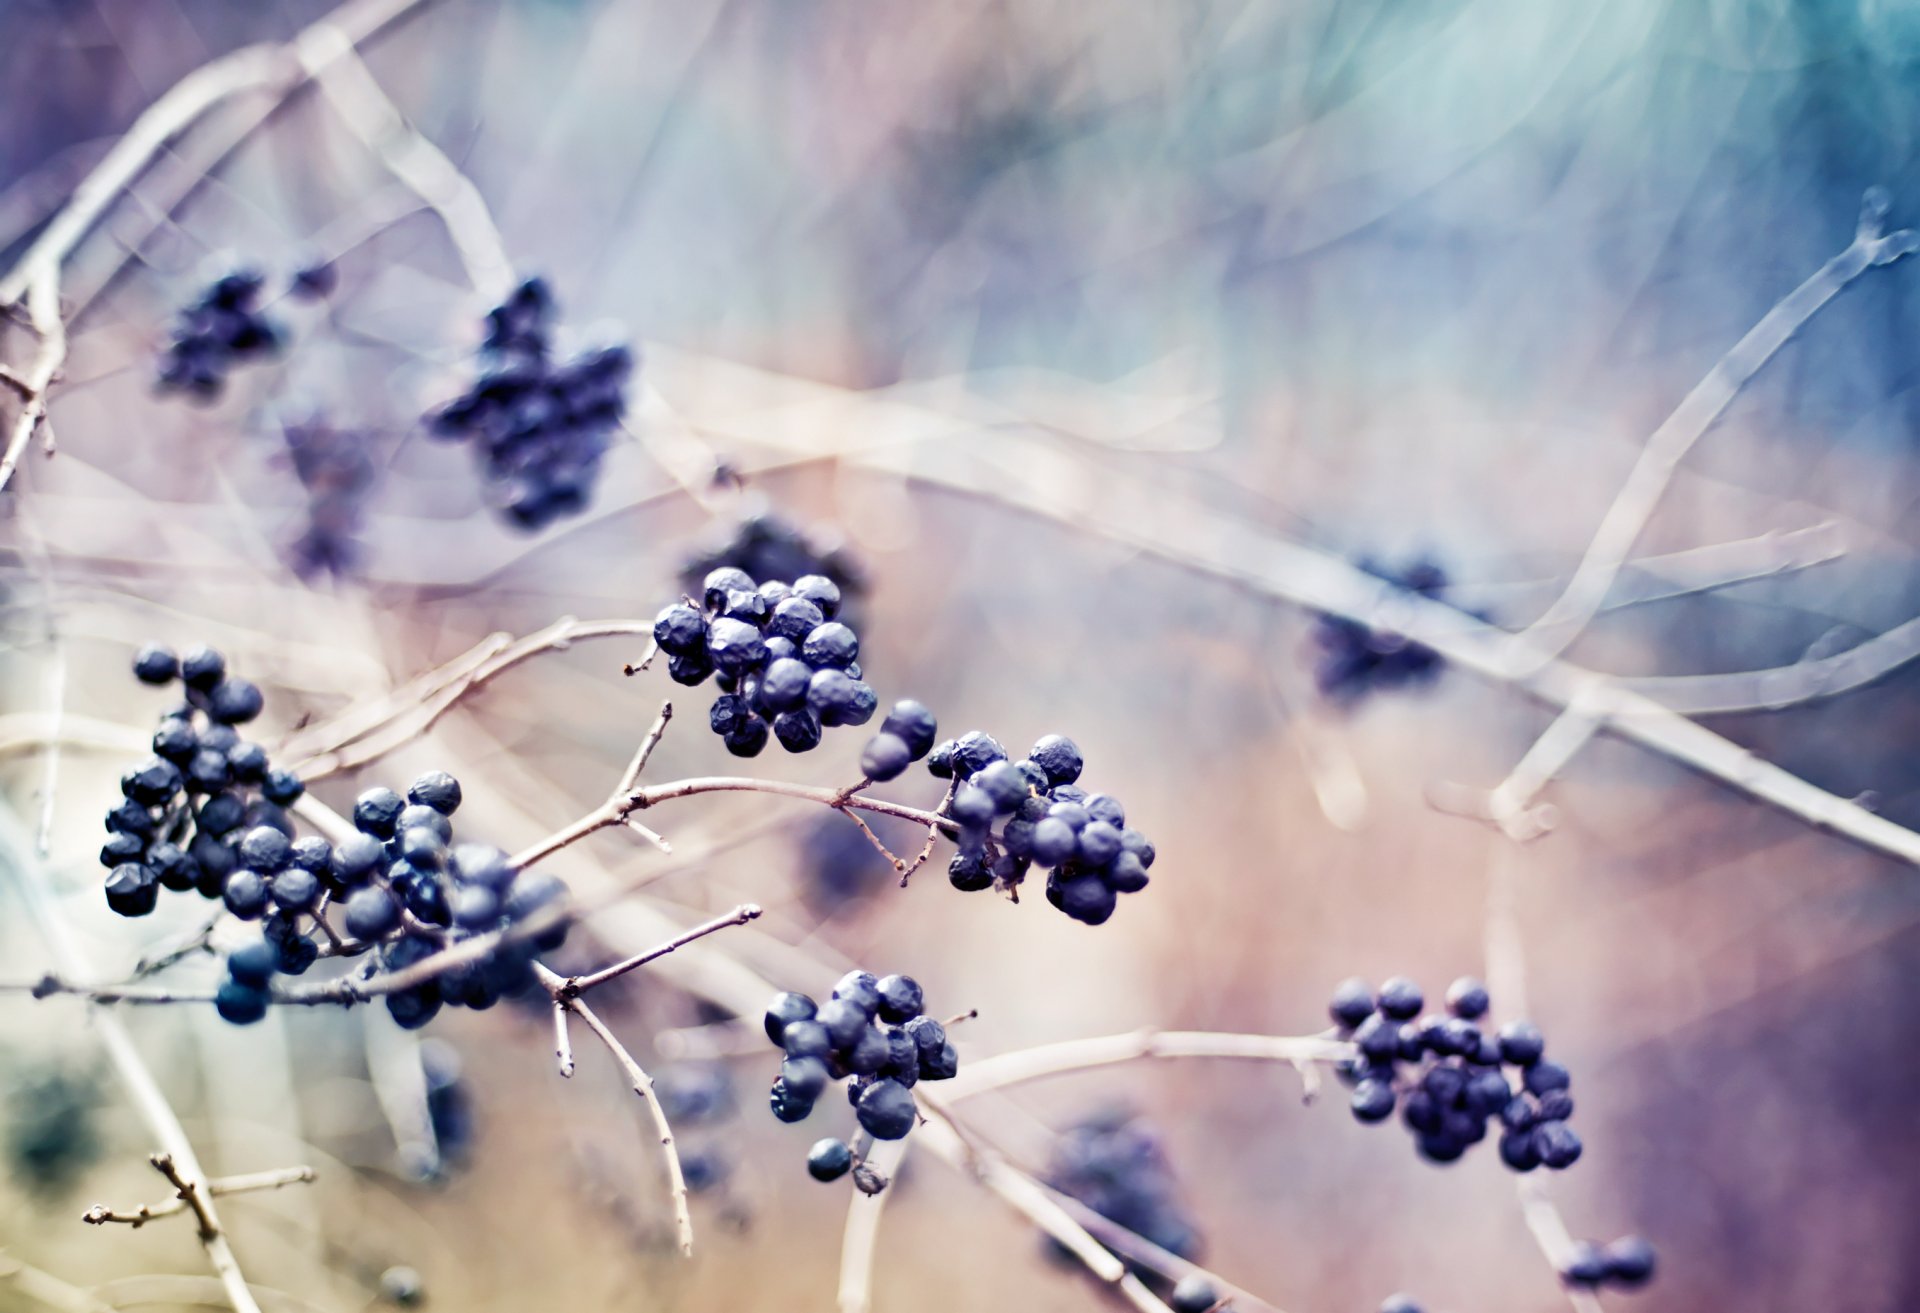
(1624, 520)
(343, 742)
(43, 313)
(574, 986)
(643, 1086)
(349, 85)
(186, 1193)
(142, 1090)
(983, 1074)
(1783, 686)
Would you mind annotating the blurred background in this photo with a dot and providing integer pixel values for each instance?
(934, 294)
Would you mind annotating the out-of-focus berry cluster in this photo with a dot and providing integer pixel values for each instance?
(785, 666)
(698, 1098)
(767, 546)
(539, 426)
(1453, 1074)
(874, 1030)
(1625, 1264)
(184, 813)
(226, 326)
(1045, 819)
(336, 468)
(1354, 659)
(408, 890)
(1116, 1164)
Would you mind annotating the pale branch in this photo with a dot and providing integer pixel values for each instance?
(1031, 1200)
(43, 313)
(143, 1090)
(274, 69)
(1141, 516)
(1784, 686)
(1550, 1233)
(1511, 803)
(1142, 1252)
(1684, 573)
(562, 1041)
(185, 1192)
(1020, 1065)
(1669, 444)
(642, 1086)
(355, 94)
(574, 986)
(46, 1289)
(364, 733)
(859, 1242)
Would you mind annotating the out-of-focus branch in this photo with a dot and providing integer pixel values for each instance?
(48, 1290)
(142, 1090)
(1784, 686)
(355, 94)
(983, 1074)
(276, 70)
(1669, 444)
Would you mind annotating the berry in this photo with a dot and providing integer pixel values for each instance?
(1087, 899)
(239, 1003)
(787, 1008)
(829, 1160)
(806, 1039)
(1354, 659)
(1543, 1077)
(1401, 999)
(1467, 999)
(798, 731)
(788, 1105)
(1630, 1262)
(371, 914)
(376, 810)
(1557, 1145)
(805, 1078)
(132, 890)
(913, 725)
(1585, 1265)
(1521, 1044)
(900, 999)
(1193, 1294)
(438, 790)
(887, 1110)
(1400, 1304)
(1373, 1100)
(253, 963)
(246, 894)
(265, 849)
(1352, 1002)
(819, 590)
(1059, 757)
(886, 757)
(202, 668)
(969, 873)
(234, 701)
(680, 630)
(154, 664)
(1116, 1166)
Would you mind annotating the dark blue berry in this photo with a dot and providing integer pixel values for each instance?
(798, 731)
(438, 790)
(969, 873)
(265, 849)
(721, 581)
(885, 757)
(1193, 1294)
(803, 1037)
(376, 810)
(234, 701)
(132, 890)
(202, 668)
(829, 1160)
(241, 1004)
(913, 725)
(788, 1105)
(1401, 999)
(372, 914)
(295, 889)
(1467, 998)
(787, 1008)
(1352, 1003)
(690, 669)
(1521, 1043)
(1087, 899)
(245, 894)
(1630, 1262)
(1543, 1077)
(900, 999)
(973, 752)
(1557, 1145)
(805, 1078)
(887, 1110)
(1099, 843)
(1584, 1266)
(154, 664)
(1373, 1100)
(1059, 757)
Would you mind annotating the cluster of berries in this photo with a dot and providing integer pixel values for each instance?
(874, 1030)
(337, 470)
(1355, 659)
(1458, 1084)
(181, 820)
(539, 425)
(785, 666)
(1115, 1164)
(226, 326)
(409, 892)
(1626, 1264)
(766, 546)
(1048, 820)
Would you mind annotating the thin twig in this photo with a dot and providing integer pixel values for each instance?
(983, 1074)
(562, 1042)
(185, 1192)
(574, 986)
(925, 854)
(642, 1086)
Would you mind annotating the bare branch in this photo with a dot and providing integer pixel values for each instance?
(983, 1074)
(574, 986)
(186, 1193)
(1669, 444)
(642, 1086)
